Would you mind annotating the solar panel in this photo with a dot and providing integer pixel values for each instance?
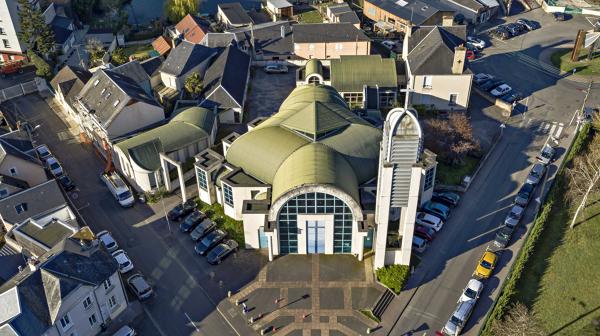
(401, 3)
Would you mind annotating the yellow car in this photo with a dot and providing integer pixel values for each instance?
(486, 265)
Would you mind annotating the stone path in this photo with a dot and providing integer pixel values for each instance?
(316, 305)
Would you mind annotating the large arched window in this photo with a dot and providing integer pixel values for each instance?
(315, 203)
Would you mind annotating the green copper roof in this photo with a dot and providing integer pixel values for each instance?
(280, 151)
(351, 73)
(188, 126)
(313, 66)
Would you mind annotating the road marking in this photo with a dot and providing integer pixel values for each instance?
(546, 128)
(156, 325)
(553, 128)
(481, 235)
(192, 322)
(560, 129)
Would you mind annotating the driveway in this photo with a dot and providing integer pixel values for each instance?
(267, 92)
(187, 288)
(551, 100)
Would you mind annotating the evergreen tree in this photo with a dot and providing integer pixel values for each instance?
(178, 9)
(35, 33)
(193, 85)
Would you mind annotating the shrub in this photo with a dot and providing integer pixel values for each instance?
(393, 276)
(42, 68)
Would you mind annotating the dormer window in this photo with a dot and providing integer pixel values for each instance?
(20, 208)
(96, 82)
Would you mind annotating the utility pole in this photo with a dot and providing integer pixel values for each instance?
(582, 112)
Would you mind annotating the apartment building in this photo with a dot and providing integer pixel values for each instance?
(11, 49)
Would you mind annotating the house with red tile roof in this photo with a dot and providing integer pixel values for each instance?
(192, 29)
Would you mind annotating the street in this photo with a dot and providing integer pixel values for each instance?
(551, 100)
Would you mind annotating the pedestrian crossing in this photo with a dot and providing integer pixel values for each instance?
(552, 128)
(534, 63)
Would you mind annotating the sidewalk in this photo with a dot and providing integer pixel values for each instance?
(129, 316)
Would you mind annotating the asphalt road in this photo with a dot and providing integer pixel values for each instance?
(550, 103)
(187, 288)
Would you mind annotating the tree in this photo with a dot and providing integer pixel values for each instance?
(111, 7)
(118, 56)
(42, 68)
(584, 176)
(84, 9)
(453, 138)
(95, 49)
(178, 9)
(35, 33)
(193, 85)
(519, 321)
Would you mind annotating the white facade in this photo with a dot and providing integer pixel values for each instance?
(178, 82)
(9, 28)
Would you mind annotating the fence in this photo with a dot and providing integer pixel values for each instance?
(36, 85)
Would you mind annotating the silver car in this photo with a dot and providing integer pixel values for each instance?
(140, 286)
(536, 173)
(546, 154)
(514, 216)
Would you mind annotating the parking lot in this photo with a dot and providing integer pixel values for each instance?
(268, 91)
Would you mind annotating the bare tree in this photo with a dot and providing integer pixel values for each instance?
(453, 138)
(584, 176)
(519, 321)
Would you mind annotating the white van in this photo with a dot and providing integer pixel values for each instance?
(118, 188)
(419, 244)
(125, 331)
(459, 318)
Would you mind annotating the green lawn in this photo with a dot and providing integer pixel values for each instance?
(453, 175)
(562, 59)
(139, 51)
(561, 281)
(234, 228)
(312, 16)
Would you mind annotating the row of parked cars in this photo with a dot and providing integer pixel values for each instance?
(430, 220)
(508, 30)
(52, 164)
(487, 262)
(496, 87)
(209, 240)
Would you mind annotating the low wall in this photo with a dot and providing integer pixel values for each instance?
(506, 107)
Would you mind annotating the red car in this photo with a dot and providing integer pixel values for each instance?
(471, 55)
(426, 233)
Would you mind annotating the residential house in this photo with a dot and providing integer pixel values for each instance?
(67, 84)
(342, 13)
(73, 289)
(102, 35)
(136, 72)
(367, 81)
(112, 105)
(476, 11)
(191, 29)
(218, 40)
(11, 261)
(398, 16)
(18, 169)
(226, 83)
(272, 41)
(280, 9)
(11, 49)
(152, 68)
(436, 69)
(141, 157)
(329, 40)
(187, 58)
(62, 27)
(233, 15)
(161, 45)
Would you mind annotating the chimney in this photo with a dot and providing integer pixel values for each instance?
(32, 263)
(458, 65)
(282, 31)
(448, 21)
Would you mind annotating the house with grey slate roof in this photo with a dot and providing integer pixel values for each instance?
(67, 84)
(272, 41)
(226, 84)
(19, 169)
(436, 68)
(73, 289)
(186, 59)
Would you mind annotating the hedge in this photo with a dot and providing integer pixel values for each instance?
(393, 276)
(509, 289)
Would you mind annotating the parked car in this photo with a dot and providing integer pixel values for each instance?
(479, 43)
(182, 210)
(66, 182)
(529, 24)
(389, 44)
(514, 216)
(503, 236)
(501, 90)
(276, 68)
(424, 232)
(43, 152)
(221, 251)
(125, 331)
(125, 264)
(486, 264)
(559, 16)
(481, 78)
(107, 240)
(437, 209)
(140, 286)
(202, 229)
(211, 240)
(9, 68)
(546, 154)
(535, 175)
(524, 195)
(512, 97)
(500, 33)
(472, 291)
(459, 318)
(429, 221)
(118, 188)
(191, 221)
(419, 245)
(491, 84)
(54, 166)
(470, 46)
(471, 56)
(446, 197)
(514, 29)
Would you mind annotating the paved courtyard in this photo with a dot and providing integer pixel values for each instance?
(267, 92)
(311, 295)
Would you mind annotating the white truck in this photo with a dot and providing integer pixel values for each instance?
(118, 188)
